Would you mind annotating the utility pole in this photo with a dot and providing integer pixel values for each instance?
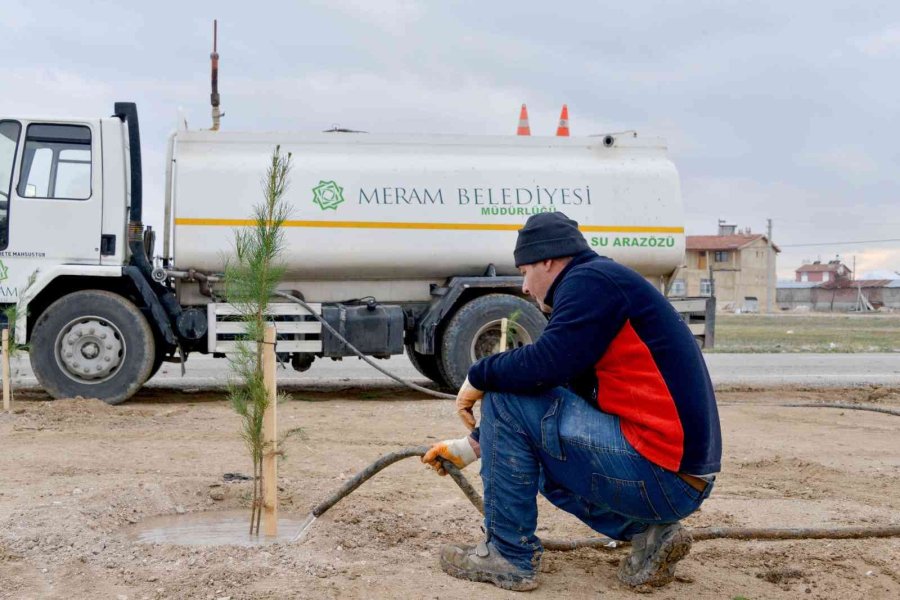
(770, 268)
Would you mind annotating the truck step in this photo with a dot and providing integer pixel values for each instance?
(294, 326)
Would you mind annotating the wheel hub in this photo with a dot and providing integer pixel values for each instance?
(487, 339)
(90, 349)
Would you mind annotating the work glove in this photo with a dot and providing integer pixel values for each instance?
(465, 400)
(459, 452)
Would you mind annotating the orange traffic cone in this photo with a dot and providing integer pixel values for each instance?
(524, 128)
(563, 129)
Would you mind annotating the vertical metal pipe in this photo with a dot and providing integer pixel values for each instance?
(170, 193)
(214, 78)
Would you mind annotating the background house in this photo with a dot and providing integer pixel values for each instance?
(818, 271)
(840, 295)
(738, 267)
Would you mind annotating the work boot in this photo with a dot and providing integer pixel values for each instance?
(485, 564)
(654, 554)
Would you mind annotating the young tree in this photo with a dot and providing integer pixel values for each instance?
(11, 314)
(251, 277)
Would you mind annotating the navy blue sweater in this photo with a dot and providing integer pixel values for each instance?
(615, 340)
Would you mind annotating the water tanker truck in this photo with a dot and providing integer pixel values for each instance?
(402, 243)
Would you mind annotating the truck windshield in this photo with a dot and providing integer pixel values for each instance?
(9, 138)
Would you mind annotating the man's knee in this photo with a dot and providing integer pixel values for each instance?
(520, 412)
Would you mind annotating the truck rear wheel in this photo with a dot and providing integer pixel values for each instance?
(474, 332)
(427, 365)
(94, 344)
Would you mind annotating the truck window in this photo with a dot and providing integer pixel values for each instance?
(56, 163)
(9, 139)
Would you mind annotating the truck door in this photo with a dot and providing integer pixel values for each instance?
(9, 138)
(55, 202)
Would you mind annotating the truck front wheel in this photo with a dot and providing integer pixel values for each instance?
(94, 344)
(474, 332)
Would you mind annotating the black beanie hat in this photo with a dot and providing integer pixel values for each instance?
(548, 235)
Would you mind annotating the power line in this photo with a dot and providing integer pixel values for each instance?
(839, 243)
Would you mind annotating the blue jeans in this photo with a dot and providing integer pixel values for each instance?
(577, 457)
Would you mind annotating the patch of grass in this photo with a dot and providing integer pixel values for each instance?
(808, 333)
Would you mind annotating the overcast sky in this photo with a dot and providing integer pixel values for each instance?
(771, 109)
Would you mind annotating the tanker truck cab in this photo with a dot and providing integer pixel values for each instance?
(65, 193)
(399, 243)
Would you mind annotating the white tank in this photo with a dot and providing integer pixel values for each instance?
(372, 207)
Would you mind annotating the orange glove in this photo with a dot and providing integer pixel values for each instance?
(459, 452)
(466, 398)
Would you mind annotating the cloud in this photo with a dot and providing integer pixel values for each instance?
(375, 102)
(853, 163)
(17, 16)
(38, 91)
(390, 15)
(877, 263)
(881, 44)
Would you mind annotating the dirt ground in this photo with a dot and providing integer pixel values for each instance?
(77, 476)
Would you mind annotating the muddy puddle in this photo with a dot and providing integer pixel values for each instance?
(212, 529)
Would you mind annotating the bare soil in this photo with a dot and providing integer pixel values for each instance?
(78, 476)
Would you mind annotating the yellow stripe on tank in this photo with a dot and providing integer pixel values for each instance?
(404, 225)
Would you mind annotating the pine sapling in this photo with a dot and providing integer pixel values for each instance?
(251, 278)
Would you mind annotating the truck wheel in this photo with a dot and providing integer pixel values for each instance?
(427, 365)
(94, 344)
(158, 359)
(474, 332)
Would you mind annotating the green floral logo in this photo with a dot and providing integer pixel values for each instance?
(4, 272)
(328, 194)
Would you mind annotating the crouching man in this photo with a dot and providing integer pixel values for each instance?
(610, 415)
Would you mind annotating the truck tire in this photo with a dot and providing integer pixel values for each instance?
(427, 365)
(94, 344)
(474, 332)
(157, 363)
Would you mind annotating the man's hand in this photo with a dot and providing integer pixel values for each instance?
(465, 400)
(459, 452)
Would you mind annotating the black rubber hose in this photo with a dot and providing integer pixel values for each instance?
(388, 459)
(703, 533)
(368, 360)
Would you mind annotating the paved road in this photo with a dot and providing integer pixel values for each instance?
(813, 370)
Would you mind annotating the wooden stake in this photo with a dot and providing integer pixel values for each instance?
(270, 433)
(5, 360)
(504, 327)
